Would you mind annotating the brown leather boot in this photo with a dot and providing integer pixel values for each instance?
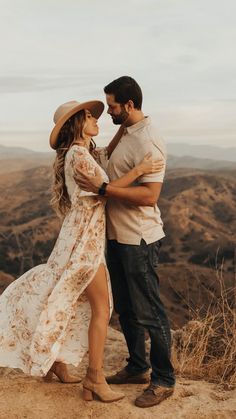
(60, 370)
(125, 377)
(153, 395)
(95, 384)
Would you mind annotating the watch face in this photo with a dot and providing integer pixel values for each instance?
(102, 190)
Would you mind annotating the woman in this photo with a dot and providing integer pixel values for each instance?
(55, 311)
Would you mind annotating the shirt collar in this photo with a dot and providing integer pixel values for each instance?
(140, 124)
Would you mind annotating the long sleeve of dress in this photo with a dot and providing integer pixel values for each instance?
(80, 158)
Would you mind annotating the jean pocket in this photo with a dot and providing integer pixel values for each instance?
(155, 253)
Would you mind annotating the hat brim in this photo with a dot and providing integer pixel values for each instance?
(96, 108)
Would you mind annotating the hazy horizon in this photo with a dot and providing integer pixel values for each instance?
(37, 140)
(25, 144)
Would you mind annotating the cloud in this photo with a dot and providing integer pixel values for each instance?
(181, 53)
(22, 84)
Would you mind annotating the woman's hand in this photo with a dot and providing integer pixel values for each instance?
(87, 182)
(150, 165)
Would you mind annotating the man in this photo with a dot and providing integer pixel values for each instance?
(134, 231)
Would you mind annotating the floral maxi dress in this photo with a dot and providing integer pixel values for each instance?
(44, 314)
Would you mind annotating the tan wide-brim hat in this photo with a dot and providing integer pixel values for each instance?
(68, 109)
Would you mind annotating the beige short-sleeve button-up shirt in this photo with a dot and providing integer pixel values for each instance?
(128, 223)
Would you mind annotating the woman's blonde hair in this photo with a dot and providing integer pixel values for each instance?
(72, 130)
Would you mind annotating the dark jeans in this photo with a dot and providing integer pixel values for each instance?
(135, 286)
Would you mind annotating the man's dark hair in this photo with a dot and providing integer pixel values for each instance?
(124, 89)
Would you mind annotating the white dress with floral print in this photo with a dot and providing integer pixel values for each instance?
(44, 314)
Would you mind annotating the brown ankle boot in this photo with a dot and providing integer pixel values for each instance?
(60, 370)
(95, 384)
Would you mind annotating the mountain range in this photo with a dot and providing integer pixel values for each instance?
(203, 151)
(17, 158)
(198, 209)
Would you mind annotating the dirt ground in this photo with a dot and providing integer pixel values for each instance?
(23, 397)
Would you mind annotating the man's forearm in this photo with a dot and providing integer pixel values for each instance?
(136, 195)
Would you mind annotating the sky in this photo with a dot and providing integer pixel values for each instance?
(182, 53)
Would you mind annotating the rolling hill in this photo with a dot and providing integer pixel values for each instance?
(198, 209)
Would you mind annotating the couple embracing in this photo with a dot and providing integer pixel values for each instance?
(55, 312)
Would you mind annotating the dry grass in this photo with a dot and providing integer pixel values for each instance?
(206, 346)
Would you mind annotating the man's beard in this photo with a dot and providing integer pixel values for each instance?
(121, 118)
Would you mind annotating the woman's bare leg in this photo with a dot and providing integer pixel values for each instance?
(95, 383)
(97, 294)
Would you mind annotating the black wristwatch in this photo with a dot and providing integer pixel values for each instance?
(102, 189)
